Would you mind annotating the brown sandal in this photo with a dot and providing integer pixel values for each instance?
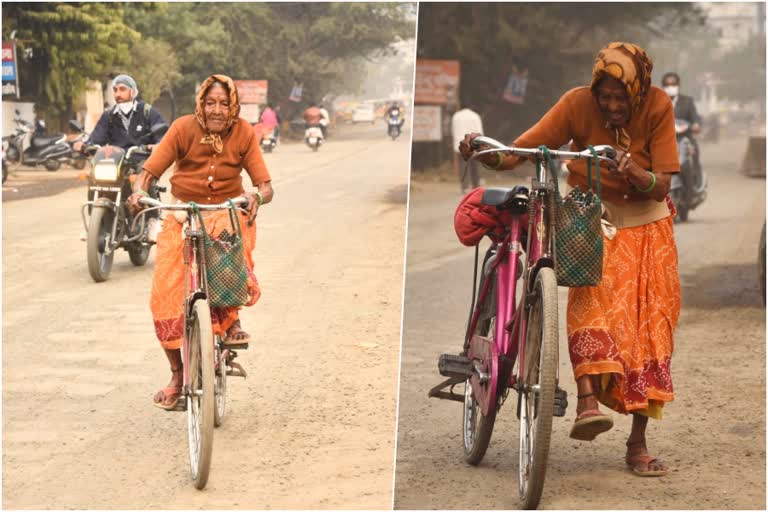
(644, 460)
(168, 392)
(590, 423)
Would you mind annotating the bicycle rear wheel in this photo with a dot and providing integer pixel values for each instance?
(201, 402)
(221, 386)
(477, 428)
(537, 395)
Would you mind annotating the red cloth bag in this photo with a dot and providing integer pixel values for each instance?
(473, 220)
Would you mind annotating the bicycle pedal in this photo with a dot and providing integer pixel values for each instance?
(235, 370)
(450, 365)
(561, 402)
(233, 346)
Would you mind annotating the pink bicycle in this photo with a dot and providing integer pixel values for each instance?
(207, 361)
(509, 346)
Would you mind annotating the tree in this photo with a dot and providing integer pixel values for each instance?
(154, 66)
(63, 45)
(314, 44)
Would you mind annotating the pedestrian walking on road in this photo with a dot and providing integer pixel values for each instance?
(463, 121)
(620, 333)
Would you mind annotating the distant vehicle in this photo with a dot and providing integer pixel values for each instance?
(364, 114)
(313, 137)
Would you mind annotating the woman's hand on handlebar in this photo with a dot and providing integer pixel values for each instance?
(133, 202)
(466, 150)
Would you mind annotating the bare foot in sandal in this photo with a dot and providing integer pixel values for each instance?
(236, 335)
(590, 421)
(168, 397)
(641, 462)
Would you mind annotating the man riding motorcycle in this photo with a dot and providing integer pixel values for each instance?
(395, 112)
(127, 124)
(685, 109)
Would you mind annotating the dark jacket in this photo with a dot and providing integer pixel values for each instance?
(685, 109)
(110, 129)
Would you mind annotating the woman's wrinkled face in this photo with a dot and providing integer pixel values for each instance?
(216, 108)
(614, 101)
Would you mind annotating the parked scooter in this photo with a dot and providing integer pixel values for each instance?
(313, 136)
(50, 151)
(5, 164)
(77, 159)
(689, 187)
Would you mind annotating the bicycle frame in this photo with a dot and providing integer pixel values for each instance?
(511, 329)
(195, 276)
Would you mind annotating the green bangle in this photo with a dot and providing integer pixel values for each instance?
(261, 197)
(142, 192)
(650, 187)
(498, 162)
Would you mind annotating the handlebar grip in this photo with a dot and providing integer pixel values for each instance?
(610, 152)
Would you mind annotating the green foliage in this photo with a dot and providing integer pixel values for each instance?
(178, 45)
(65, 44)
(154, 66)
(318, 45)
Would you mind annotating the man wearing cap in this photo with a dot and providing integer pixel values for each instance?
(127, 124)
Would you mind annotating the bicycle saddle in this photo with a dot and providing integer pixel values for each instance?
(515, 198)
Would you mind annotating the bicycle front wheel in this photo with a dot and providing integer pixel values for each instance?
(537, 395)
(201, 402)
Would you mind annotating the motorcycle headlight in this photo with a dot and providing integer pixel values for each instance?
(105, 171)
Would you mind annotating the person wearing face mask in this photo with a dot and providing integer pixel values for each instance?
(127, 124)
(210, 148)
(685, 109)
(620, 332)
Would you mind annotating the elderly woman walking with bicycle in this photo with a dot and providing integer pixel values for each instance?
(210, 149)
(620, 333)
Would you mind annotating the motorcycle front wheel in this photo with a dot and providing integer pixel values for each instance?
(52, 165)
(100, 255)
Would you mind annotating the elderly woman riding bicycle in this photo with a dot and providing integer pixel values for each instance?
(210, 149)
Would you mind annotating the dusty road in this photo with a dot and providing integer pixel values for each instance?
(712, 435)
(313, 424)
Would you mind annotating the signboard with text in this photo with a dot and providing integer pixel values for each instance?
(427, 123)
(252, 91)
(437, 81)
(10, 77)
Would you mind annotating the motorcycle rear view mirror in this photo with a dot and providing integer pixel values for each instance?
(76, 126)
(16, 111)
(159, 129)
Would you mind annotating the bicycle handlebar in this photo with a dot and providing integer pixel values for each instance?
(154, 204)
(497, 146)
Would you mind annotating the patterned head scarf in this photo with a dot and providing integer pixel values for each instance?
(629, 64)
(234, 109)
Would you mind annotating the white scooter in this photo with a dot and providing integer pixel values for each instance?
(313, 136)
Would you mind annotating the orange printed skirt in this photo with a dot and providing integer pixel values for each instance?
(621, 331)
(167, 297)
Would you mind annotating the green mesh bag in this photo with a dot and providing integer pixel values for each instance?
(578, 234)
(225, 267)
